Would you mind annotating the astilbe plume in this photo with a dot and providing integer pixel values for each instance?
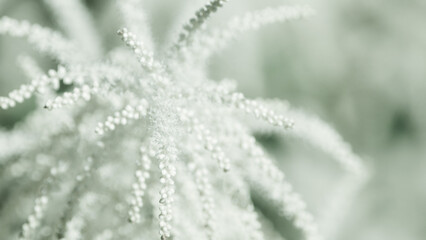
(146, 147)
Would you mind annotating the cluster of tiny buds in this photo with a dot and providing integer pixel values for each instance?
(38, 84)
(200, 16)
(139, 187)
(205, 191)
(258, 110)
(123, 117)
(84, 92)
(144, 56)
(248, 143)
(24, 92)
(56, 76)
(33, 220)
(167, 156)
(204, 135)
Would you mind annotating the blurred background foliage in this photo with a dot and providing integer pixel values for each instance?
(359, 65)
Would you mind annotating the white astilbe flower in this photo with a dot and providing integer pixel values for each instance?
(204, 135)
(167, 156)
(84, 92)
(39, 84)
(45, 84)
(204, 188)
(127, 114)
(139, 187)
(199, 165)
